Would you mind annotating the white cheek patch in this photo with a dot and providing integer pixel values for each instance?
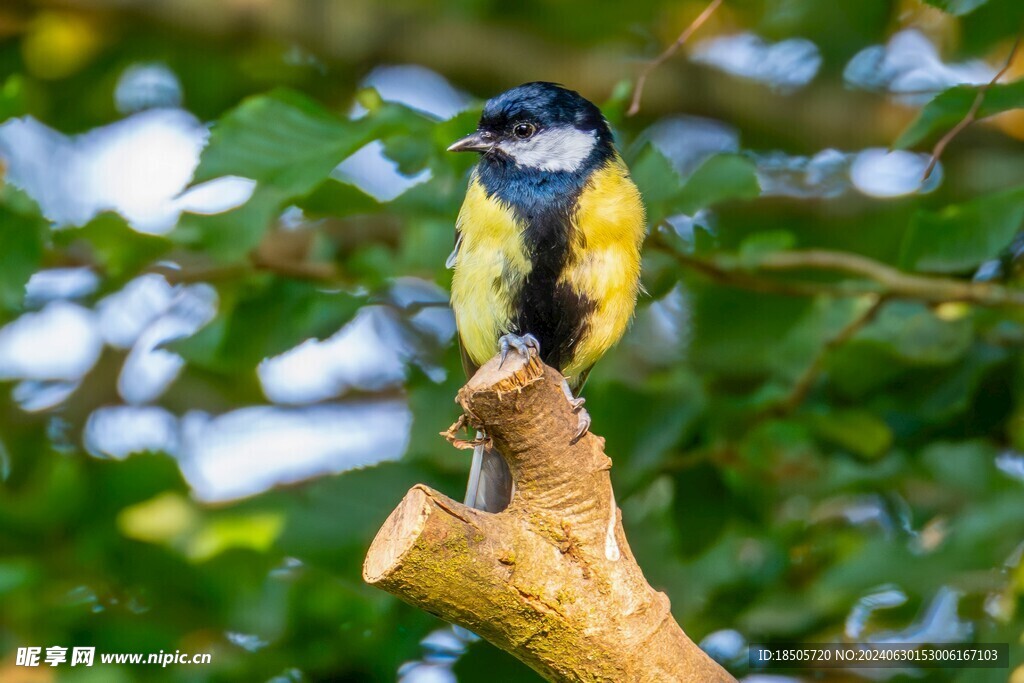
(557, 149)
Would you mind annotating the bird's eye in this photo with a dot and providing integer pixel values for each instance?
(524, 130)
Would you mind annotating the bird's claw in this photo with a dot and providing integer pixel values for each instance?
(582, 416)
(582, 423)
(522, 345)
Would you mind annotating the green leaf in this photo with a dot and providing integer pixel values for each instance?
(663, 416)
(16, 572)
(779, 335)
(857, 431)
(410, 151)
(911, 332)
(614, 108)
(762, 243)
(659, 272)
(720, 178)
(765, 319)
(204, 348)
(957, 7)
(231, 235)
(963, 465)
(335, 198)
(949, 107)
(120, 251)
(444, 133)
(904, 335)
(947, 393)
(289, 144)
(287, 140)
(12, 97)
(362, 498)
(657, 180)
(273, 316)
(702, 507)
(961, 236)
(21, 247)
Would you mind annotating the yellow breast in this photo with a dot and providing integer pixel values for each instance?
(490, 264)
(605, 265)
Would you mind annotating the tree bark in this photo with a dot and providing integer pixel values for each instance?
(550, 579)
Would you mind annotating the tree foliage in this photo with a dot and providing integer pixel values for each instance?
(787, 441)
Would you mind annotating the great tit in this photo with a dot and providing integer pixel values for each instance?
(547, 246)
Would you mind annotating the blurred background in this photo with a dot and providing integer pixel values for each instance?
(226, 352)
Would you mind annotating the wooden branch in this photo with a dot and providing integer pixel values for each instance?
(551, 579)
(893, 281)
(875, 277)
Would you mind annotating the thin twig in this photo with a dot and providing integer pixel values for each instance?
(875, 278)
(200, 273)
(805, 382)
(638, 91)
(972, 113)
(322, 272)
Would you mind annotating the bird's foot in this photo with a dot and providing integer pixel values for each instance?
(582, 416)
(522, 345)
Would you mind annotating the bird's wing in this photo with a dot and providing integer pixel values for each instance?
(490, 483)
(449, 262)
(468, 365)
(576, 383)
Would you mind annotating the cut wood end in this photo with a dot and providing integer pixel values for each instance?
(399, 533)
(514, 374)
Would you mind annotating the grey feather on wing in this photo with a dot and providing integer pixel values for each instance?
(494, 490)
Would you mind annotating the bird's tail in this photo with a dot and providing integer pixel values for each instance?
(490, 482)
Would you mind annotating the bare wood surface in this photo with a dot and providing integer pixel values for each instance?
(551, 579)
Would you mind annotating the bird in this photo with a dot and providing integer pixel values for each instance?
(547, 248)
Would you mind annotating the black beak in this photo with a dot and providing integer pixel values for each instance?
(477, 142)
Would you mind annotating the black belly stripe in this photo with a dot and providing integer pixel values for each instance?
(554, 312)
(545, 201)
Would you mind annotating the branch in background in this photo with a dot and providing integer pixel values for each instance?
(323, 272)
(641, 80)
(745, 280)
(189, 274)
(878, 278)
(892, 281)
(972, 113)
(805, 382)
(550, 579)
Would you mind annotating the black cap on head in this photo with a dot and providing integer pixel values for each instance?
(540, 126)
(545, 105)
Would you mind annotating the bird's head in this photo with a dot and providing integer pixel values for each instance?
(540, 126)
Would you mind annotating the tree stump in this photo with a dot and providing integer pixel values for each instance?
(550, 579)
